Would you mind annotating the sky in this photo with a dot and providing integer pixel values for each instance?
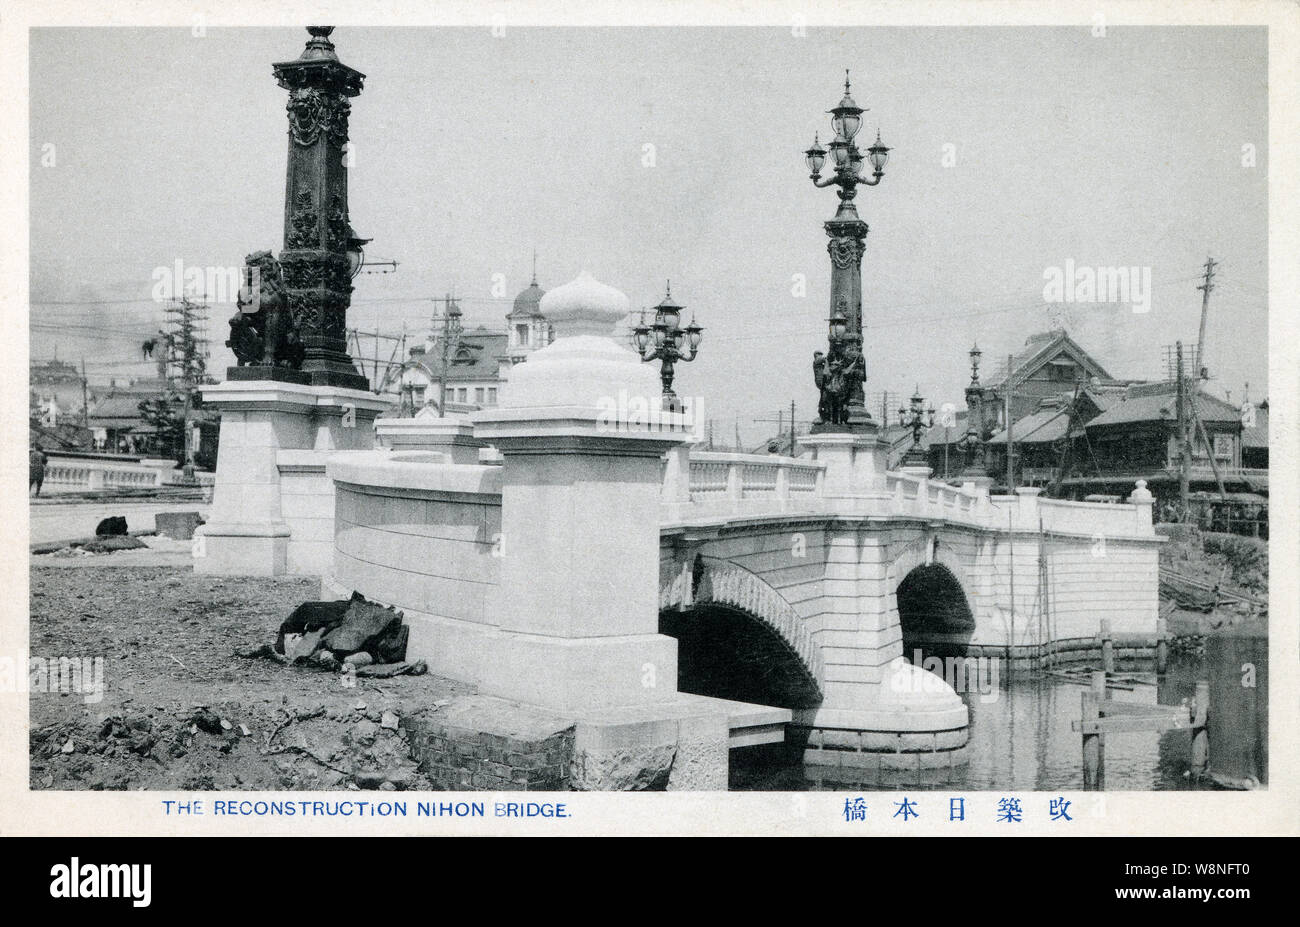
(648, 154)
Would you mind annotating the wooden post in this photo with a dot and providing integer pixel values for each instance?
(1107, 648)
(1200, 730)
(1094, 748)
(1162, 645)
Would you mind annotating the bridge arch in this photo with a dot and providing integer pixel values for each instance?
(738, 638)
(930, 599)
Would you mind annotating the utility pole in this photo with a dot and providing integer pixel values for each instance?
(1006, 417)
(85, 402)
(451, 331)
(186, 350)
(780, 422)
(1202, 372)
(1209, 448)
(1184, 443)
(379, 384)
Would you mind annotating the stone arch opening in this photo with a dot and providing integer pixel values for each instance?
(739, 639)
(934, 613)
(725, 652)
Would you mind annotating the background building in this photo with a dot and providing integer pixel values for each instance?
(478, 360)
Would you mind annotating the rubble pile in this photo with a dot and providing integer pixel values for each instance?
(231, 745)
(350, 635)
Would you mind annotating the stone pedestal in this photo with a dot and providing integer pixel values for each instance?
(977, 481)
(855, 461)
(247, 533)
(583, 438)
(427, 431)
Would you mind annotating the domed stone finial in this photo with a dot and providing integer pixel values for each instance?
(584, 306)
(584, 367)
(1141, 495)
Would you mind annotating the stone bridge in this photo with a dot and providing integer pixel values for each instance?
(803, 582)
(572, 551)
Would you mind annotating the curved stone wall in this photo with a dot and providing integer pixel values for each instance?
(424, 536)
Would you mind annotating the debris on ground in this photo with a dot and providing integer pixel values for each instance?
(178, 712)
(112, 542)
(349, 636)
(113, 526)
(1209, 581)
(177, 525)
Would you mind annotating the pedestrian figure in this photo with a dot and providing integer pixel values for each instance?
(36, 461)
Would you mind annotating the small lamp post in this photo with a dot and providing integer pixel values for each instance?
(918, 417)
(667, 342)
(973, 442)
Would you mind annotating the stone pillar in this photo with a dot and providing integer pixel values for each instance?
(855, 463)
(1143, 501)
(583, 438)
(247, 533)
(1027, 507)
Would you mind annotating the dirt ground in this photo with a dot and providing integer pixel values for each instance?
(180, 711)
(1201, 557)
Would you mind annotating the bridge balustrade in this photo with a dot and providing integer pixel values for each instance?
(730, 479)
(90, 476)
(751, 484)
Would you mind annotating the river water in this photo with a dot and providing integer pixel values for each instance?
(1020, 740)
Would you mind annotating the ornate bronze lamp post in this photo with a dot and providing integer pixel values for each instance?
(667, 342)
(847, 236)
(294, 325)
(972, 443)
(918, 417)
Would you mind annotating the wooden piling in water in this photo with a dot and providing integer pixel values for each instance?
(1236, 662)
(1094, 746)
(1107, 646)
(1200, 730)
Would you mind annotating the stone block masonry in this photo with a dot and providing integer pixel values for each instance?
(483, 743)
(487, 744)
(880, 750)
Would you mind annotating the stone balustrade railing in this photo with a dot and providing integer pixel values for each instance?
(710, 485)
(72, 475)
(752, 476)
(913, 494)
(90, 476)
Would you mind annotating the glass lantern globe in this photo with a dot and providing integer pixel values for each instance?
(847, 117)
(840, 152)
(838, 325)
(356, 259)
(815, 157)
(694, 334)
(879, 155)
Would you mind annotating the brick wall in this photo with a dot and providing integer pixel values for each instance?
(456, 758)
